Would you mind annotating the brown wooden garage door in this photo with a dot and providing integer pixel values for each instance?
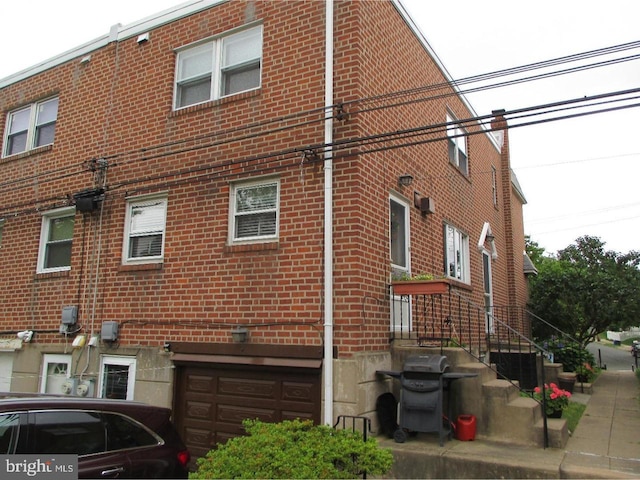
(213, 400)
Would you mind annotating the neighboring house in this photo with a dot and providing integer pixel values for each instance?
(191, 177)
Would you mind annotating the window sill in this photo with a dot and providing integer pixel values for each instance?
(60, 274)
(460, 284)
(215, 103)
(26, 153)
(252, 247)
(141, 267)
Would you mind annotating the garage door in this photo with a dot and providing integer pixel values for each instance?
(212, 401)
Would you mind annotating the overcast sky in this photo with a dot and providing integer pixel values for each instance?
(580, 176)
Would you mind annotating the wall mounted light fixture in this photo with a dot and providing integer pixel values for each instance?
(25, 335)
(405, 180)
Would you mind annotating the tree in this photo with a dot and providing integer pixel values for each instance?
(585, 290)
(534, 251)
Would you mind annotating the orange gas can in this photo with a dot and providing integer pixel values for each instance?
(466, 427)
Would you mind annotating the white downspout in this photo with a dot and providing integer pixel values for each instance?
(328, 217)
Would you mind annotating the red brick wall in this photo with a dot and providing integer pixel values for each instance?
(119, 106)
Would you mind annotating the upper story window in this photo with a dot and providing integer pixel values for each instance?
(494, 185)
(457, 144)
(30, 127)
(225, 66)
(144, 230)
(457, 254)
(55, 241)
(254, 211)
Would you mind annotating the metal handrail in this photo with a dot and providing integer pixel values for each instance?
(457, 320)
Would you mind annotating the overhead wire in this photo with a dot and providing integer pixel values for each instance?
(370, 144)
(145, 152)
(295, 152)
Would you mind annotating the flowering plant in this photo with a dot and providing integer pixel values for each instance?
(556, 398)
(585, 373)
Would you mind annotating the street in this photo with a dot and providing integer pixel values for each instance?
(615, 358)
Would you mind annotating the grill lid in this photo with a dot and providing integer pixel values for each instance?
(426, 364)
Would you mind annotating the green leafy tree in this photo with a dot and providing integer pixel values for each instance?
(534, 251)
(294, 449)
(586, 289)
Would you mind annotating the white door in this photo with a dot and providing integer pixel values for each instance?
(6, 371)
(400, 260)
(56, 369)
(488, 291)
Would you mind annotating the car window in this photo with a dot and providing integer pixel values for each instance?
(123, 433)
(68, 432)
(8, 432)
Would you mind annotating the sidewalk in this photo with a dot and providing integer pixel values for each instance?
(606, 443)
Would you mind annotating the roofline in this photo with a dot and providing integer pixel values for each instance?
(425, 43)
(517, 188)
(116, 33)
(119, 33)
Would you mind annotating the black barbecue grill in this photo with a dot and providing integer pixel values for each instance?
(423, 380)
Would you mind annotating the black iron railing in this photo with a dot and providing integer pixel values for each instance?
(497, 336)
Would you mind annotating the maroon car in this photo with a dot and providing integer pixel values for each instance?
(112, 438)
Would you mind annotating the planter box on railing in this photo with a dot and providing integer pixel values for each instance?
(420, 287)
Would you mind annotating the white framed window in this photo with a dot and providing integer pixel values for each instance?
(30, 127)
(225, 66)
(457, 145)
(457, 254)
(254, 211)
(56, 237)
(144, 234)
(494, 185)
(117, 377)
(56, 369)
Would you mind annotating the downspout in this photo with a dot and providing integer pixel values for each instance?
(328, 217)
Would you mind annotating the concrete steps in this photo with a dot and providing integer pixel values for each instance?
(502, 414)
(509, 417)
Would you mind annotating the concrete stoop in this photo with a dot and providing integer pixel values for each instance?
(512, 418)
(503, 415)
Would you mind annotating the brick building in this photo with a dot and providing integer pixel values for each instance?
(193, 178)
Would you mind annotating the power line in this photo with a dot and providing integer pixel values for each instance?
(379, 138)
(147, 152)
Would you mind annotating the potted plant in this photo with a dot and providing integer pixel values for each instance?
(556, 399)
(585, 373)
(420, 284)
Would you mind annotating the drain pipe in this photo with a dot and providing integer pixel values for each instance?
(328, 217)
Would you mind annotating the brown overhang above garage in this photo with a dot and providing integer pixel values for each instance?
(296, 356)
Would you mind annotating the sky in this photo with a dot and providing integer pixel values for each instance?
(580, 176)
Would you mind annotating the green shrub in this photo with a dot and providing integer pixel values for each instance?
(570, 354)
(294, 449)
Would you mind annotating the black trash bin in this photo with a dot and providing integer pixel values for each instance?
(421, 396)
